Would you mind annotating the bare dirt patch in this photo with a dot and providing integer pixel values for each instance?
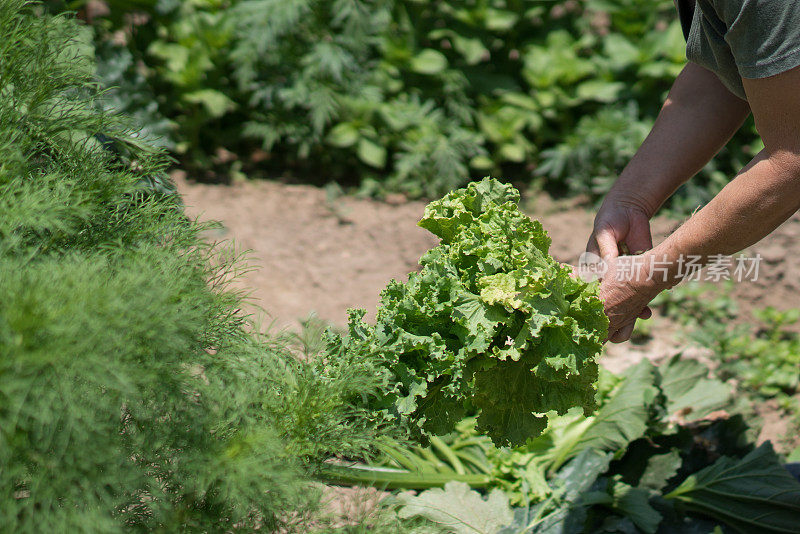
(309, 253)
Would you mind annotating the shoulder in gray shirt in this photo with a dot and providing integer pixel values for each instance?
(738, 39)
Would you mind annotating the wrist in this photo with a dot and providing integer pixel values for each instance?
(633, 200)
(663, 268)
(643, 185)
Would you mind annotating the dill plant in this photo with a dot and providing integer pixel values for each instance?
(133, 393)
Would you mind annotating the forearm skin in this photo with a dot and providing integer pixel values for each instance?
(764, 195)
(698, 118)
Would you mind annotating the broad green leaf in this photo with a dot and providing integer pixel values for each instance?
(472, 49)
(634, 504)
(429, 61)
(216, 103)
(500, 19)
(600, 90)
(481, 163)
(580, 474)
(458, 509)
(343, 135)
(688, 390)
(660, 468)
(371, 153)
(620, 51)
(556, 63)
(513, 152)
(520, 100)
(625, 416)
(754, 494)
(174, 55)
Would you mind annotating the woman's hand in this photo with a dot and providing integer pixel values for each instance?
(698, 118)
(626, 289)
(619, 223)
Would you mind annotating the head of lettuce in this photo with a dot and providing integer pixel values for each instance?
(490, 324)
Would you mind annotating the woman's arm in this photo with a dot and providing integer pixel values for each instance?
(761, 197)
(698, 118)
(766, 192)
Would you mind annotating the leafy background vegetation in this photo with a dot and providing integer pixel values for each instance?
(136, 396)
(133, 393)
(411, 96)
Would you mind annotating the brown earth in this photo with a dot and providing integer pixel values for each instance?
(316, 253)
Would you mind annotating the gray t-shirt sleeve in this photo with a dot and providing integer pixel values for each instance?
(763, 35)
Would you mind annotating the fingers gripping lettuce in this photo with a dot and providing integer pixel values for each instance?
(490, 323)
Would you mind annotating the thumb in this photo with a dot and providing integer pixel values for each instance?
(623, 334)
(607, 243)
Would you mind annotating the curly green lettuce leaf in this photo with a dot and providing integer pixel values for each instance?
(490, 322)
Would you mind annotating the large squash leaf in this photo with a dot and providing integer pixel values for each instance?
(753, 494)
(458, 509)
(688, 389)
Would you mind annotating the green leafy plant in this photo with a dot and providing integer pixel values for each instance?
(134, 394)
(753, 494)
(491, 322)
(762, 356)
(661, 454)
(764, 359)
(414, 96)
(701, 304)
(590, 157)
